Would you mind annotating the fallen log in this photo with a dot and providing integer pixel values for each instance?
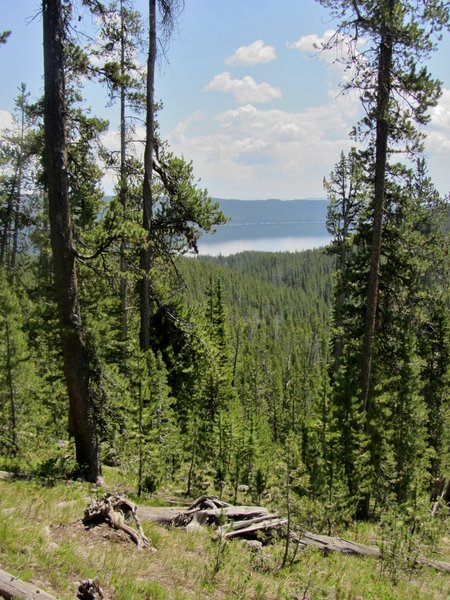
(208, 502)
(13, 587)
(214, 510)
(335, 544)
(263, 527)
(162, 515)
(249, 521)
(444, 567)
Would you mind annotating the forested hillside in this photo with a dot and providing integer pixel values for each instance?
(314, 382)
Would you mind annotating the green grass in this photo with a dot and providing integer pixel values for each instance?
(42, 540)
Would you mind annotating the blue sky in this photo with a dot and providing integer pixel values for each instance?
(245, 95)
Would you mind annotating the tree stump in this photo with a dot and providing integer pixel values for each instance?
(115, 511)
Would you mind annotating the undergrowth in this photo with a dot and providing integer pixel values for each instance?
(43, 540)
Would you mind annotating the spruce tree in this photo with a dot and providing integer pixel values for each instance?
(398, 35)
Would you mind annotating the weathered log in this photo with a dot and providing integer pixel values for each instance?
(13, 587)
(207, 502)
(336, 544)
(115, 510)
(248, 521)
(444, 567)
(263, 527)
(163, 515)
(236, 525)
(214, 510)
(166, 515)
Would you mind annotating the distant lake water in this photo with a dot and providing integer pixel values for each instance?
(264, 237)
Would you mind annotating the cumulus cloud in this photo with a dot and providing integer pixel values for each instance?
(245, 90)
(264, 153)
(440, 114)
(6, 120)
(254, 54)
(313, 43)
(339, 52)
(437, 143)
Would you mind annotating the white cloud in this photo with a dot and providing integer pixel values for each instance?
(440, 114)
(339, 52)
(245, 90)
(437, 143)
(313, 44)
(6, 120)
(254, 54)
(268, 153)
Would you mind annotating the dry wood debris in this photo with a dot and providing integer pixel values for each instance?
(13, 587)
(89, 589)
(255, 522)
(246, 522)
(116, 511)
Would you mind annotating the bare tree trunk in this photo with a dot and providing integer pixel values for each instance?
(5, 236)
(11, 390)
(18, 195)
(144, 334)
(82, 420)
(123, 181)
(140, 444)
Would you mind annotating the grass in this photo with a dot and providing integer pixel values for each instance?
(43, 540)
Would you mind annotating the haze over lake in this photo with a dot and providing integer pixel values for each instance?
(268, 225)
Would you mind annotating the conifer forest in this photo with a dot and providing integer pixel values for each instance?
(314, 381)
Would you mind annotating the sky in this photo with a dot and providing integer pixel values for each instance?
(246, 96)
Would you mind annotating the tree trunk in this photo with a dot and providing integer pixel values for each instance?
(82, 422)
(13, 588)
(15, 239)
(11, 390)
(381, 147)
(123, 181)
(144, 334)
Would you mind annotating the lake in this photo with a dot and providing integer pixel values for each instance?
(264, 237)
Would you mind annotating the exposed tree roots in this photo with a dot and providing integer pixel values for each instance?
(116, 511)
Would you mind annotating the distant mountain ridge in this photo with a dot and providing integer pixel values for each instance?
(267, 212)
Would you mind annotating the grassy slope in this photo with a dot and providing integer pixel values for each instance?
(42, 540)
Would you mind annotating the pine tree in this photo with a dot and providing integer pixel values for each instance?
(76, 362)
(399, 33)
(18, 190)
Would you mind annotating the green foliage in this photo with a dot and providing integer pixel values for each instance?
(59, 464)
(4, 35)
(407, 534)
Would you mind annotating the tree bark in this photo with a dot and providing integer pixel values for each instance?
(11, 390)
(381, 146)
(144, 334)
(82, 421)
(123, 180)
(14, 588)
(384, 82)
